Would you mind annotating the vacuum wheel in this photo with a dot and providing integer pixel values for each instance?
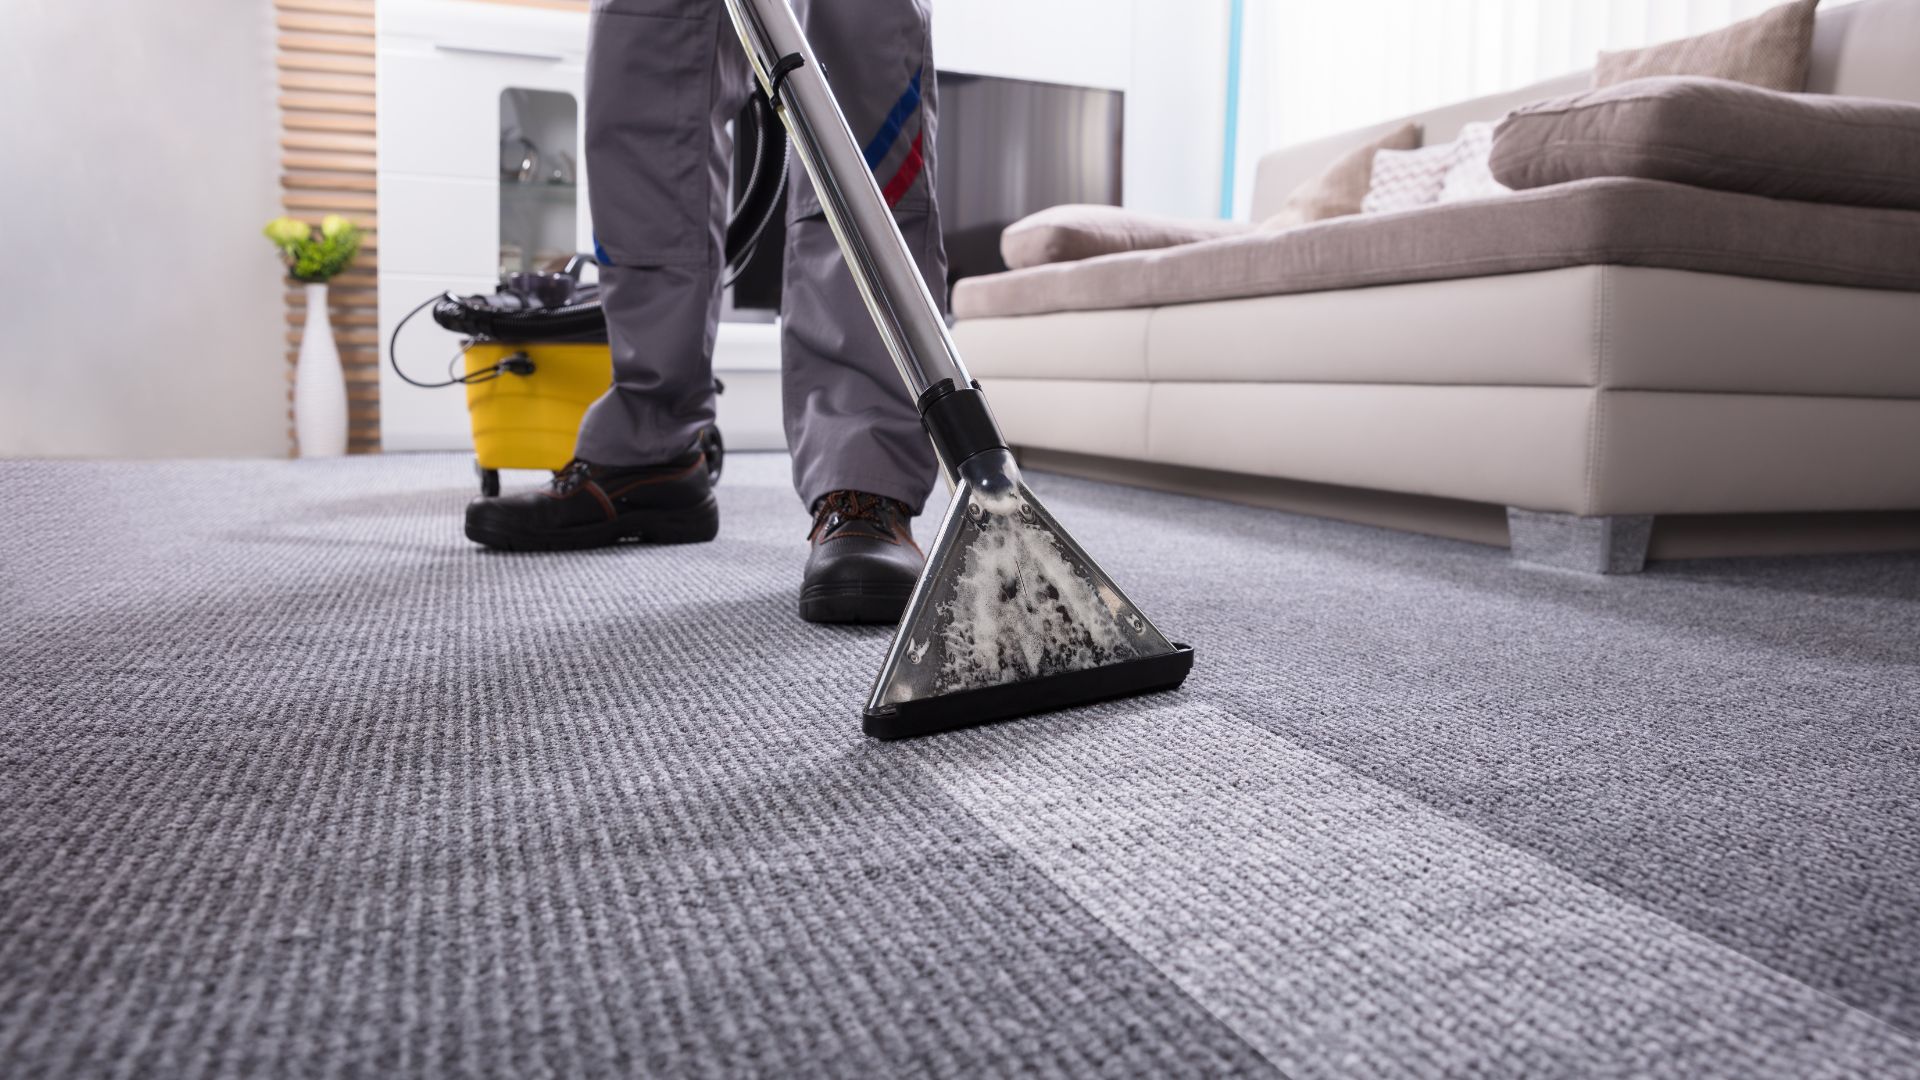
(489, 480)
(716, 451)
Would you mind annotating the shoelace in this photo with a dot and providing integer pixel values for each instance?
(571, 476)
(857, 506)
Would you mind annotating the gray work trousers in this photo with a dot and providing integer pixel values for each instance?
(663, 79)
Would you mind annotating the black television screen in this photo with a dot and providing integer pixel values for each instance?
(1005, 149)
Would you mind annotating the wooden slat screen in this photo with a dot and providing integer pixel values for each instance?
(327, 166)
(326, 89)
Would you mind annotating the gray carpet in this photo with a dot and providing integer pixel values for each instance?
(298, 783)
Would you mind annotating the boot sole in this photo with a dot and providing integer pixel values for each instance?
(854, 603)
(692, 525)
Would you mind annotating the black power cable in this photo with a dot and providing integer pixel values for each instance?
(516, 364)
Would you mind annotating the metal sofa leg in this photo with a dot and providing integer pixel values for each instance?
(1612, 544)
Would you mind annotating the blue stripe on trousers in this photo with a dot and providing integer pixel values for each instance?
(903, 110)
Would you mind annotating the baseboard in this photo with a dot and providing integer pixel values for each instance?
(1675, 536)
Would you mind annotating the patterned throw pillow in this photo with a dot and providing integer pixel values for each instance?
(1406, 179)
(1471, 175)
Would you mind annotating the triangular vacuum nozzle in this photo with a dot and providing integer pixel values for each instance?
(1011, 617)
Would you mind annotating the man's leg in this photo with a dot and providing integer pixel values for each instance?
(850, 422)
(663, 78)
(861, 460)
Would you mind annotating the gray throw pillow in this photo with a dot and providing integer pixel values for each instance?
(1070, 233)
(1342, 188)
(1716, 134)
(1773, 49)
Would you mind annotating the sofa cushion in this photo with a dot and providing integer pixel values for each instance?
(1718, 134)
(1607, 221)
(1471, 174)
(1341, 188)
(1450, 172)
(1078, 231)
(1773, 49)
(1406, 179)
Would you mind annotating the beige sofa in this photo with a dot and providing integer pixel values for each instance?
(1594, 373)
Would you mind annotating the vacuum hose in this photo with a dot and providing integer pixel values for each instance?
(766, 179)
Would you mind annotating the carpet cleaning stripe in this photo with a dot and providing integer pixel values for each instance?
(1345, 928)
(889, 133)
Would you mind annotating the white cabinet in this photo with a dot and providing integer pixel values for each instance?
(442, 66)
(439, 225)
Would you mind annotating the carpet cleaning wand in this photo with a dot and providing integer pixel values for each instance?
(1010, 616)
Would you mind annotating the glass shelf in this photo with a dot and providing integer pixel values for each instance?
(512, 189)
(539, 133)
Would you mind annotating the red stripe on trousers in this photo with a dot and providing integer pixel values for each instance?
(896, 188)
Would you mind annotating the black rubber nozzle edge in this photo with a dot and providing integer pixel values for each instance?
(959, 421)
(966, 708)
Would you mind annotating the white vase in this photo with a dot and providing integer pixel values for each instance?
(319, 386)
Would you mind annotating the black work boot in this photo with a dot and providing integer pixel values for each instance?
(591, 505)
(864, 562)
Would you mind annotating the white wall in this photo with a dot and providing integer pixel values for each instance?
(142, 305)
(1177, 114)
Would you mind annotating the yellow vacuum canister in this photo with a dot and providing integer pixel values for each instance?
(528, 416)
(533, 357)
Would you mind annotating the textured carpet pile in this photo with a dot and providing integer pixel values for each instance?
(296, 782)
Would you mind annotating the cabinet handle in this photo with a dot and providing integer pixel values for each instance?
(483, 50)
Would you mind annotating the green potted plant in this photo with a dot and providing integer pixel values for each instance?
(314, 255)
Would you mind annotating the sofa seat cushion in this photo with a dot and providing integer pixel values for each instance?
(1591, 222)
(1717, 134)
